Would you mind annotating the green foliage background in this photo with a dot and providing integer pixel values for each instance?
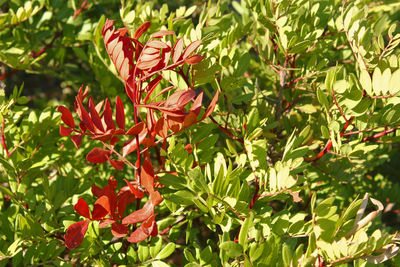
(293, 76)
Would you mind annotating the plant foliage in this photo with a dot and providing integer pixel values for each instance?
(225, 133)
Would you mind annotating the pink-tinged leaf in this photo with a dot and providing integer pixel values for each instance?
(65, 131)
(139, 215)
(166, 56)
(76, 139)
(211, 107)
(142, 29)
(119, 47)
(95, 116)
(119, 230)
(134, 190)
(135, 129)
(131, 145)
(147, 176)
(122, 31)
(99, 106)
(148, 57)
(151, 50)
(137, 236)
(191, 48)
(162, 33)
(196, 106)
(157, 44)
(180, 98)
(117, 164)
(107, 116)
(66, 116)
(75, 233)
(194, 59)
(101, 208)
(144, 65)
(120, 113)
(177, 52)
(98, 155)
(82, 208)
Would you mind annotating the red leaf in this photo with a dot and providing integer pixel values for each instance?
(137, 236)
(120, 113)
(190, 119)
(86, 120)
(211, 107)
(131, 145)
(75, 234)
(153, 84)
(94, 115)
(142, 29)
(76, 139)
(97, 191)
(149, 227)
(194, 59)
(191, 48)
(130, 89)
(196, 106)
(124, 198)
(119, 230)
(157, 44)
(162, 33)
(66, 116)
(155, 198)
(139, 215)
(101, 208)
(98, 155)
(117, 164)
(134, 190)
(161, 128)
(106, 222)
(147, 176)
(65, 131)
(135, 129)
(82, 208)
(107, 116)
(177, 52)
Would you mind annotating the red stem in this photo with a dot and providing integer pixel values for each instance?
(49, 45)
(5, 75)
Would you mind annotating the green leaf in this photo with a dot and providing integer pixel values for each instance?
(377, 81)
(365, 81)
(166, 251)
(233, 249)
(242, 239)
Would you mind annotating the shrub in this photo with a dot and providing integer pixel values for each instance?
(251, 133)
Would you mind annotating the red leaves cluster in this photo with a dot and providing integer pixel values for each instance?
(140, 66)
(109, 209)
